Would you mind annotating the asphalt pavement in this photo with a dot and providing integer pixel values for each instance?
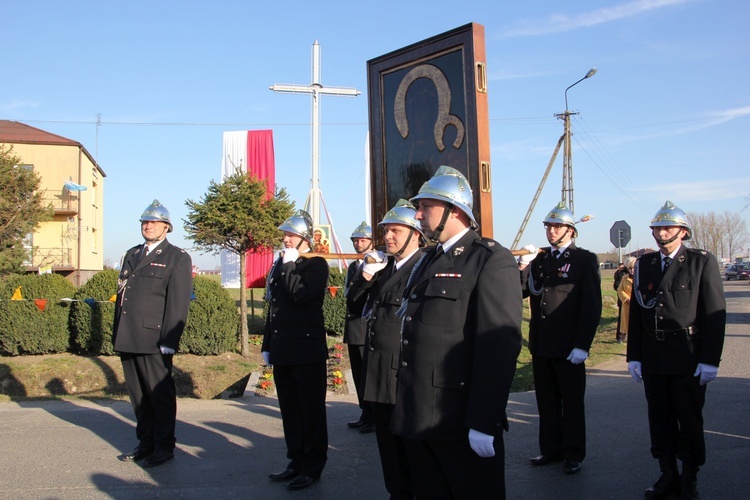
(226, 448)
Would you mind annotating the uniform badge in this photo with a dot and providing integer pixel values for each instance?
(458, 251)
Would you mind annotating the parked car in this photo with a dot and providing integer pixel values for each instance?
(737, 271)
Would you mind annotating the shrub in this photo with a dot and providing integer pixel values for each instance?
(213, 322)
(334, 308)
(91, 323)
(24, 328)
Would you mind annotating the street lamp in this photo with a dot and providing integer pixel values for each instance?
(567, 180)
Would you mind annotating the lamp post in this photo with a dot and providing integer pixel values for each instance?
(567, 179)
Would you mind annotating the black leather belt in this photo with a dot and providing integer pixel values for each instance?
(664, 334)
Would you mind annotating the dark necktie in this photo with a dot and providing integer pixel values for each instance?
(143, 253)
(555, 253)
(666, 261)
(436, 255)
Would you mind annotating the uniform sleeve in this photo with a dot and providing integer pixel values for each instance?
(179, 290)
(497, 309)
(590, 311)
(308, 283)
(712, 310)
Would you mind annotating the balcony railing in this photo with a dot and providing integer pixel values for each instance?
(62, 201)
(55, 257)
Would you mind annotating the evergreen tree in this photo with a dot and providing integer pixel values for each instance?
(21, 209)
(238, 216)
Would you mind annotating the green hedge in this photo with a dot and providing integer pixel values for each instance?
(91, 323)
(213, 324)
(24, 328)
(334, 308)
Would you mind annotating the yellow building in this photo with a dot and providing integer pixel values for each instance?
(72, 242)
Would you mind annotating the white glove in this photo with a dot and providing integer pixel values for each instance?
(374, 262)
(526, 259)
(577, 356)
(266, 357)
(290, 255)
(166, 350)
(706, 372)
(634, 367)
(482, 443)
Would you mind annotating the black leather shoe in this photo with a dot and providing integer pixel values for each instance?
(286, 475)
(665, 486)
(545, 460)
(572, 467)
(137, 454)
(158, 458)
(301, 482)
(357, 423)
(367, 428)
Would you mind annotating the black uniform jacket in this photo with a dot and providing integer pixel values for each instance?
(153, 299)
(567, 309)
(381, 297)
(355, 326)
(461, 337)
(295, 330)
(689, 295)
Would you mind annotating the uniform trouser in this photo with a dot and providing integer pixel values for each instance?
(451, 469)
(148, 378)
(356, 360)
(301, 390)
(560, 389)
(675, 417)
(393, 458)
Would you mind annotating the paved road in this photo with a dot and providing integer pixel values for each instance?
(67, 449)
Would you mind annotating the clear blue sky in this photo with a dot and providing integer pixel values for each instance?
(666, 116)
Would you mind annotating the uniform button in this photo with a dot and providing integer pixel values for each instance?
(283, 273)
(403, 363)
(275, 331)
(374, 317)
(442, 291)
(543, 316)
(544, 303)
(372, 348)
(413, 295)
(661, 305)
(461, 384)
(661, 317)
(406, 341)
(660, 292)
(408, 318)
(398, 300)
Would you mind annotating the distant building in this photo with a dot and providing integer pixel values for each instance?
(72, 242)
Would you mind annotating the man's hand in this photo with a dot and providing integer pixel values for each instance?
(482, 443)
(526, 259)
(634, 367)
(577, 356)
(374, 261)
(166, 350)
(266, 357)
(707, 373)
(290, 255)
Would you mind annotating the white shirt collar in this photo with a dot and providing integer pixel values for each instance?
(448, 244)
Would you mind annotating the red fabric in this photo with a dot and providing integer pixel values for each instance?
(260, 165)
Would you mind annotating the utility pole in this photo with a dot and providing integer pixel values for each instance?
(567, 177)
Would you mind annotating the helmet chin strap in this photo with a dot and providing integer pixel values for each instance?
(401, 250)
(436, 237)
(561, 238)
(299, 244)
(667, 242)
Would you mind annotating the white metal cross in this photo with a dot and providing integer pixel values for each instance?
(316, 89)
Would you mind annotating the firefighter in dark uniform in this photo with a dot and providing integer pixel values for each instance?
(294, 342)
(354, 329)
(564, 287)
(677, 323)
(377, 292)
(461, 335)
(153, 299)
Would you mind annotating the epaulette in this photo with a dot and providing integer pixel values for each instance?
(699, 251)
(488, 243)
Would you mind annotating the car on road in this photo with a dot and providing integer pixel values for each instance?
(737, 272)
